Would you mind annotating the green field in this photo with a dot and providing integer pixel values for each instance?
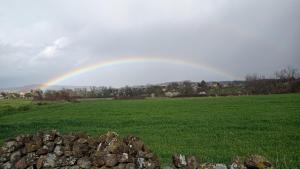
(213, 128)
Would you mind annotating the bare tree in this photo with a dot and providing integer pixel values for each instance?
(288, 73)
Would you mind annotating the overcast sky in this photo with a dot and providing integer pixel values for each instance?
(40, 40)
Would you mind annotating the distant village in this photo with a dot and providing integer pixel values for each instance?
(286, 80)
(168, 89)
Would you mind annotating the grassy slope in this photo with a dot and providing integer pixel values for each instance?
(215, 129)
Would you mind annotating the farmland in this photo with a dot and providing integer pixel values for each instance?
(212, 128)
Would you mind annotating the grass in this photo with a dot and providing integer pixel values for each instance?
(214, 129)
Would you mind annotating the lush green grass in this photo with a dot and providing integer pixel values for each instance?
(214, 129)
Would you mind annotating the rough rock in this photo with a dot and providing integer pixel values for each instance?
(80, 148)
(257, 162)
(42, 151)
(130, 166)
(237, 164)
(168, 167)
(220, 166)
(179, 160)
(4, 157)
(84, 162)
(21, 164)
(31, 147)
(15, 156)
(6, 165)
(50, 160)
(58, 150)
(110, 160)
(10, 146)
(47, 150)
(40, 162)
(192, 162)
(120, 166)
(66, 161)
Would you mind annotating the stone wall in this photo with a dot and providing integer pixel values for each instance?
(47, 150)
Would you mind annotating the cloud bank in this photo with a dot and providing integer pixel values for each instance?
(40, 40)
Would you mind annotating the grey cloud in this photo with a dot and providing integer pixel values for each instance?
(238, 36)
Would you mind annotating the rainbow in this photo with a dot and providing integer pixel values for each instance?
(126, 60)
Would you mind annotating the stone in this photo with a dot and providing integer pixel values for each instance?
(93, 167)
(179, 160)
(140, 162)
(84, 162)
(220, 166)
(150, 156)
(5, 157)
(68, 153)
(74, 167)
(70, 160)
(92, 142)
(2, 151)
(106, 140)
(115, 146)
(50, 160)
(98, 161)
(58, 150)
(40, 163)
(67, 144)
(130, 166)
(237, 164)
(20, 138)
(192, 162)
(6, 165)
(257, 162)
(104, 167)
(70, 167)
(82, 140)
(168, 167)
(21, 164)
(135, 143)
(31, 147)
(207, 166)
(65, 161)
(37, 140)
(123, 158)
(50, 146)
(42, 151)
(50, 136)
(150, 165)
(70, 138)
(47, 137)
(80, 149)
(15, 156)
(110, 160)
(58, 140)
(31, 158)
(11, 146)
(120, 166)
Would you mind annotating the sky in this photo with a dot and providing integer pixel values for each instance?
(43, 40)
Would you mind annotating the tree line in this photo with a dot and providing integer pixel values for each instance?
(283, 81)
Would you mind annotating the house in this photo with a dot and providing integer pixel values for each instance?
(202, 93)
(172, 94)
(22, 95)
